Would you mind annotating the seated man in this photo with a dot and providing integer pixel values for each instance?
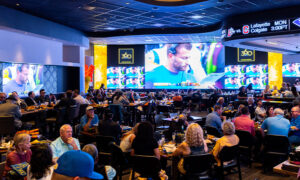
(277, 125)
(78, 98)
(260, 111)
(42, 98)
(30, 99)
(10, 108)
(107, 127)
(65, 142)
(295, 125)
(89, 119)
(213, 119)
(75, 165)
(243, 122)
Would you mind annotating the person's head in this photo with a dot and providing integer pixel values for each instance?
(75, 165)
(292, 67)
(42, 92)
(278, 111)
(275, 87)
(218, 109)
(228, 128)
(259, 102)
(65, 132)
(145, 131)
(233, 80)
(90, 111)
(115, 81)
(114, 70)
(245, 110)
(220, 100)
(134, 80)
(194, 135)
(69, 93)
(267, 87)
(22, 142)
(31, 94)
(243, 89)
(270, 111)
(179, 56)
(76, 92)
(295, 111)
(89, 96)
(250, 100)
(256, 80)
(233, 69)
(22, 73)
(41, 160)
(2, 96)
(255, 68)
(92, 150)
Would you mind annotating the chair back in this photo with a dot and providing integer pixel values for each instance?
(116, 109)
(202, 122)
(229, 153)
(198, 163)
(118, 157)
(60, 116)
(212, 131)
(276, 143)
(146, 166)
(71, 113)
(7, 125)
(246, 139)
(102, 143)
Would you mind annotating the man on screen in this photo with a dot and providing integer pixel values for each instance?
(19, 83)
(177, 68)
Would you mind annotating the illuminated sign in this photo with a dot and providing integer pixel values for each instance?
(261, 28)
(246, 55)
(126, 55)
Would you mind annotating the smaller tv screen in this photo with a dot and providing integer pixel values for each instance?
(22, 78)
(126, 77)
(291, 70)
(256, 70)
(235, 70)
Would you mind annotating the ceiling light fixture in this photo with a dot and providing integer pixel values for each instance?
(149, 40)
(196, 17)
(110, 28)
(17, 4)
(127, 3)
(272, 43)
(89, 8)
(158, 25)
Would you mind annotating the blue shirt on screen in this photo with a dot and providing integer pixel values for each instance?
(214, 120)
(84, 120)
(277, 125)
(296, 122)
(162, 75)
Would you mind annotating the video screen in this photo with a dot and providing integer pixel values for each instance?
(22, 78)
(291, 70)
(184, 66)
(244, 75)
(126, 77)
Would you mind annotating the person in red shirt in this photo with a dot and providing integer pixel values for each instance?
(20, 152)
(243, 122)
(177, 97)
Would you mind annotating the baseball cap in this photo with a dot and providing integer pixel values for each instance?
(77, 163)
(89, 108)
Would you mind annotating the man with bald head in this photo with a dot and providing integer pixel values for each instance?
(277, 125)
(295, 125)
(65, 142)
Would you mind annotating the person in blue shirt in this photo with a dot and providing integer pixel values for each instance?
(277, 125)
(176, 69)
(65, 142)
(89, 120)
(295, 125)
(214, 120)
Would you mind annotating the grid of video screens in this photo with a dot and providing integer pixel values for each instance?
(291, 70)
(242, 75)
(126, 77)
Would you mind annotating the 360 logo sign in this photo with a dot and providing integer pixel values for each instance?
(126, 55)
(246, 55)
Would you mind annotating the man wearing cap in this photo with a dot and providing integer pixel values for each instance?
(65, 142)
(10, 108)
(75, 165)
(89, 120)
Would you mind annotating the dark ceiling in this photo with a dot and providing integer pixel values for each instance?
(106, 17)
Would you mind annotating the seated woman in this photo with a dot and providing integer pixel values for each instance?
(144, 142)
(270, 111)
(194, 144)
(127, 139)
(120, 99)
(41, 164)
(221, 103)
(229, 139)
(19, 153)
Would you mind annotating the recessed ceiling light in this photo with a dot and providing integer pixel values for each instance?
(203, 13)
(158, 25)
(152, 16)
(201, 5)
(196, 17)
(120, 41)
(127, 3)
(89, 8)
(149, 40)
(17, 4)
(110, 28)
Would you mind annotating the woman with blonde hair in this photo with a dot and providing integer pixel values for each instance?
(20, 152)
(128, 138)
(194, 144)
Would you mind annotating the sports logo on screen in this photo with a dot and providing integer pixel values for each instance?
(246, 55)
(297, 22)
(126, 56)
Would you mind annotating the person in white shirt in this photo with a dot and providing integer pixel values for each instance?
(78, 98)
(260, 111)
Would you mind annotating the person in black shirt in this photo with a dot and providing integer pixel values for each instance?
(242, 94)
(42, 98)
(108, 127)
(67, 101)
(144, 142)
(30, 99)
